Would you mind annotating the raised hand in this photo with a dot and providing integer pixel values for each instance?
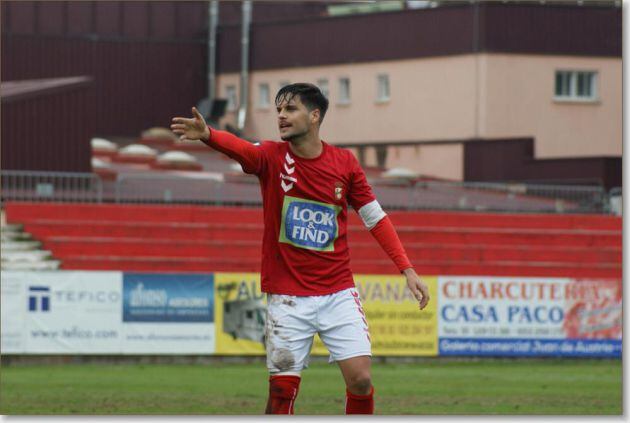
(191, 129)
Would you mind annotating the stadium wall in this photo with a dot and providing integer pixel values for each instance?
(47, 125)
(68, 312)
(147, 59)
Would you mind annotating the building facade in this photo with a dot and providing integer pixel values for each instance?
(473, 91)
(420, 88)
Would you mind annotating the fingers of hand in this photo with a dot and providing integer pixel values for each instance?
(424, 295)
(182, 120)
(178, 129)
(196, 113)
(424, 302)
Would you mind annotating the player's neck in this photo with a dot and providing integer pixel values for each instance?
(308, 147)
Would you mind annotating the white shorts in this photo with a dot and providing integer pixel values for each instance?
(293, 321)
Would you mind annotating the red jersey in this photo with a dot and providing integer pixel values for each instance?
(305, 208)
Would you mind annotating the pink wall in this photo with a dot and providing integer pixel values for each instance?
(456, 98)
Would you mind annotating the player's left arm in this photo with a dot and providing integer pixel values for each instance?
(380, 226)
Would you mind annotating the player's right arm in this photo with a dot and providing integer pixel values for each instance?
(195, 128)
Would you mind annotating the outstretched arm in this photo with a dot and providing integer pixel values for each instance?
(244, 152)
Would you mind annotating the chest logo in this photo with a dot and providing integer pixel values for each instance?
(289, 168)
(309, 224)
(338, 190)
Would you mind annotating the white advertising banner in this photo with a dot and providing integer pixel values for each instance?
(529, 316)
(13, 312)
(76, 312)
(63, 312)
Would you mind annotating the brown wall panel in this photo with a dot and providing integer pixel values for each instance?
(80, 17)
(22, 17)
(137, 85)
(574, 30)
(163, 19)
(60, 138)
(54, 13)
(108, 18)
(507, 28)
(4, 9)
(513, 160)
(135, 19)
(348, 39)
(192, 19)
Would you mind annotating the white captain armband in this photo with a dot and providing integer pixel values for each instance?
(371, 213)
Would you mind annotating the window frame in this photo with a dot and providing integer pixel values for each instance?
(231, 106)
(321, 82)
(573, 96)
(263, 102)
(341, 100)
(383, 77)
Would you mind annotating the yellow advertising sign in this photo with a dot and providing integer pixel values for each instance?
(239, 314)
(396, 325)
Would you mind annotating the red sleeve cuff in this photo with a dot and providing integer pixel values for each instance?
(387, 237)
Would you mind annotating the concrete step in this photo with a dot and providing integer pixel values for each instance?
(15, 236)
(20, 245)
(26, 265)
(11, 228)
(25, 256)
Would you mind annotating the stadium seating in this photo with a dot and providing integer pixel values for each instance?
(204, 239)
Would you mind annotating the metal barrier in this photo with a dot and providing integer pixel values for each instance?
(481, 196)
(139, 188)
(18, 185)
(615, 201)
(392, 194)
(156, 188)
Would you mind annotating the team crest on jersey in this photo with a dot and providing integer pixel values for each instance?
(338, 190)
(309, 224)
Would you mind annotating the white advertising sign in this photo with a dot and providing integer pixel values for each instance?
(75, 312)
(529, 316)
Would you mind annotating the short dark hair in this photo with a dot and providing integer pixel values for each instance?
(310, 95)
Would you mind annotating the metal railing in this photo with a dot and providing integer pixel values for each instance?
(501, 197)
(615, 201)
(18, 185)
(139, 188)
(392, 194)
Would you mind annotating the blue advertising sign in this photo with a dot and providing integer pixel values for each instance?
(168, 298)
(603, 348)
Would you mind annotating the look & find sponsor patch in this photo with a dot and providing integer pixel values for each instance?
(309, 224)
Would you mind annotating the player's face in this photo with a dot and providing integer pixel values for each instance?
(294, 119)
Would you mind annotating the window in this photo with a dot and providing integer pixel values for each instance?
(382, 89)
(323, 87)
(575, 85)
(344, 90)
(230, 93)
(263, 95)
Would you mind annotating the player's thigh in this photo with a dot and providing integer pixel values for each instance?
(343, 326)
(289, 333)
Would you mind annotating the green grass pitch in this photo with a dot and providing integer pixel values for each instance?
(430, 387)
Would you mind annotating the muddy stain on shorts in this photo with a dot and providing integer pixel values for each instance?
(282, 358)
(289, 302)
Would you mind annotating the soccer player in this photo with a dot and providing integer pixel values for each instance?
(306, 187)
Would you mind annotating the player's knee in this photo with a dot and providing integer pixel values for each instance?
(360, 384)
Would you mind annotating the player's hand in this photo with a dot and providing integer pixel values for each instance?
(418, 288)
(191, 129)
